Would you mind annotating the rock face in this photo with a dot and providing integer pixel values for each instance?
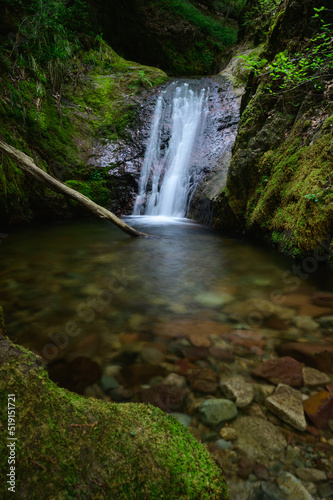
(93, 447)
(271, 189)
(88, 133)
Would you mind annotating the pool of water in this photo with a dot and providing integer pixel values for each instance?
(165, 320)
(88, 278)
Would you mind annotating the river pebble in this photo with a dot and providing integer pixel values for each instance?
(287, 404)
(238, 390)
(292, 488)
(214, 411)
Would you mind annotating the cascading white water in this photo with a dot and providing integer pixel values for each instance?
(165, 180)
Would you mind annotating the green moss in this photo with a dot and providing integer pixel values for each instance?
(58, 130)
(97, 191)
(290, 191)
(223, 34)
(280, 178)
(72, 447)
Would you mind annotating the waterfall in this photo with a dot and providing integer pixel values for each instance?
(169, 174)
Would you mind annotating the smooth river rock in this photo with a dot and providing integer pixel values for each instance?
(305, 323)
(238, 390)
(311, 475)
(292, 488)
(210, 299)
(259, 438)
(182, 418)
(326, 321)
(313, 377)
(287, 404)
(214, 411)
(285, 370)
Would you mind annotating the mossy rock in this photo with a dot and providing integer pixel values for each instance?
(279, 185)
(69, 446)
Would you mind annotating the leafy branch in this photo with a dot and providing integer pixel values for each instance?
(289, 71)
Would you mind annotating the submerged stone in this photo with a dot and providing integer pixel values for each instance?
(222, 444)
(237, 389)
(228, 433)
(284, 370)
(164, 396)
(323, 299)
(184, 419)
(319, 408)
(316, 355)
(287, 404)
(311, 475)
(326, 321)
(313, 377)
(292, 488)
(213, 299)
(109, 383)
(259, 438)
(214, 411)
(204, 380)
(305, 323)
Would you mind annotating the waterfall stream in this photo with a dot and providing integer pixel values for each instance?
(166, 168)
(179, 148)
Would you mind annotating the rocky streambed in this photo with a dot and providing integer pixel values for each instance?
(264, 408)
(214, 331)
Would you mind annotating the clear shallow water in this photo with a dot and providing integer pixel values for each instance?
(107, 284)
(166, 320)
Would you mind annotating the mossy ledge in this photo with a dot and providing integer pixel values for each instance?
(279, 185)
(69, 446)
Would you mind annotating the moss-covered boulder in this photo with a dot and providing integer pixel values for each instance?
(279, 184)
(69, 446)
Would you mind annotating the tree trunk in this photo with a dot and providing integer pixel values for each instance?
(26, 163)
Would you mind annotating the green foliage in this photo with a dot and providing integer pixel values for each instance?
(254, 62)
(256, 18)
(47, 37)
(221, 34)
(308, 68)
(144, 79)
(96, 190)
(311, 197)
(79, 186)
(97, 175)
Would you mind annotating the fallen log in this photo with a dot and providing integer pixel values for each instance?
(26, 163)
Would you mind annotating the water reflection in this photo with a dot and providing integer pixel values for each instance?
(52, 273)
